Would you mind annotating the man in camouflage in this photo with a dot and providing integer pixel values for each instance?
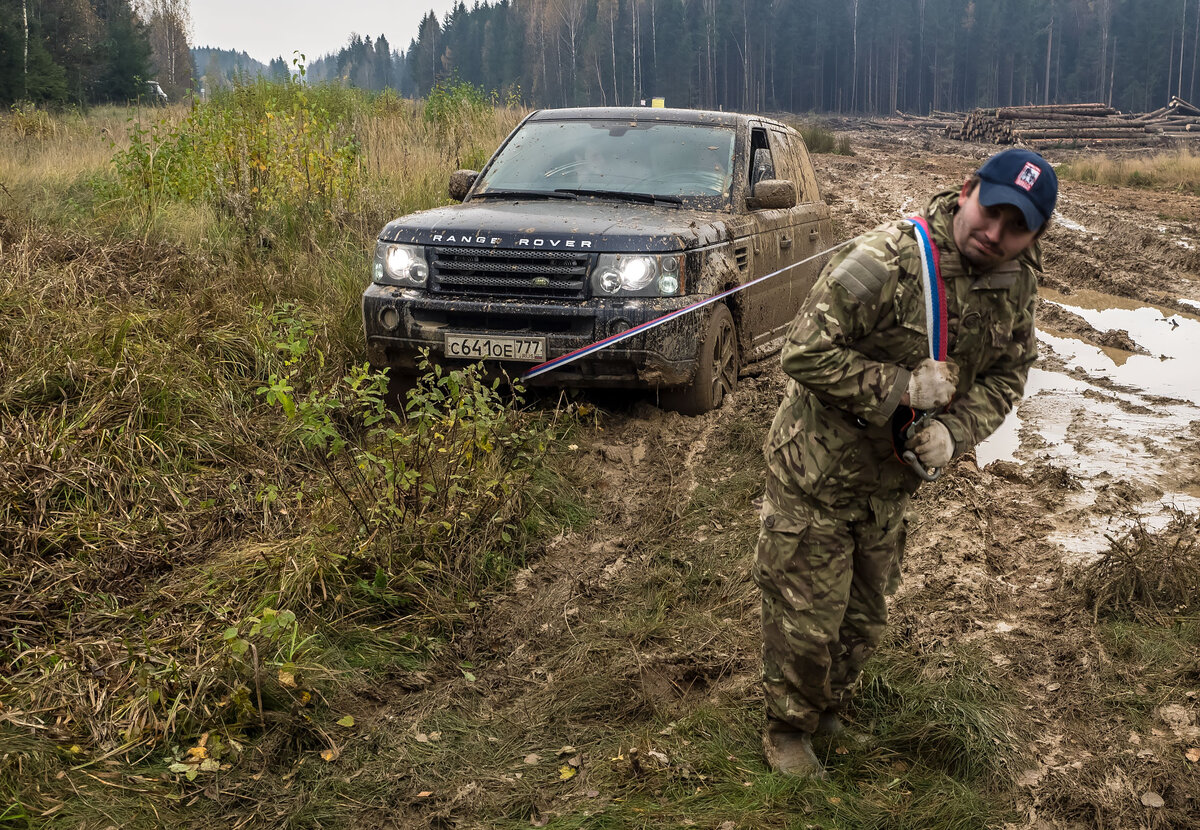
(832, 531)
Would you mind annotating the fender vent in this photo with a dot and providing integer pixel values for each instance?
(742, 255)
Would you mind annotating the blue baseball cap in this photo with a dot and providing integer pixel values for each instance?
(1020, 178)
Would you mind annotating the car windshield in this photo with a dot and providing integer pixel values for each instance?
(691, 163)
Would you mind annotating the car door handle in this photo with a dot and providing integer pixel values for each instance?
(785, 242)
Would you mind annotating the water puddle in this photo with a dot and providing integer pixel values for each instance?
(1090, 537)
(1128, 427)
(1069, 224)
(1172, 338)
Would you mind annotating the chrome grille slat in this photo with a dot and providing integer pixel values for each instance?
(492, 273)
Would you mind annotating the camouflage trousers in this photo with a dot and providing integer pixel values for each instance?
(824, 583)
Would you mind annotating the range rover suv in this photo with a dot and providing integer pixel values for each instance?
(588, 222)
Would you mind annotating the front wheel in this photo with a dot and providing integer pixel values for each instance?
(717, 371)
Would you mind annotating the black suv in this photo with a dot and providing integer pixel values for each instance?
(588, 222)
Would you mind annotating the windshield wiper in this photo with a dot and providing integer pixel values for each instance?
(528, 194)
(627, 196)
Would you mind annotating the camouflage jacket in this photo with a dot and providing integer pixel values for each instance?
(861, 331)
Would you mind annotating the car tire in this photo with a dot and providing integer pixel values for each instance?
(716, 370)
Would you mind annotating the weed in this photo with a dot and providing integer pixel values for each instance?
(944, 709)
(820, 139)
(1177, 171)
(178, 555)
(1147, 576)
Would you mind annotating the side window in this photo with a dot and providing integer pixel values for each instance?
(762, 166)
(792, 146)
(785, 164)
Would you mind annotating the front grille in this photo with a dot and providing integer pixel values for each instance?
(479, 272)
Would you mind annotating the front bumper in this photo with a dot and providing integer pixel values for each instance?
(663, 356)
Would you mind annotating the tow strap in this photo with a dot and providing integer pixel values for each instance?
(907, 422)
(571, 357)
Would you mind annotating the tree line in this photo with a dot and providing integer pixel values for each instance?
(868, 56)
(92, 51)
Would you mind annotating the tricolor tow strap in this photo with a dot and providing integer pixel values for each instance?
(906, 424)
(936, 321)
(571, 357)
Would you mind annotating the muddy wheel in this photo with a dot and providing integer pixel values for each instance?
(717, 372)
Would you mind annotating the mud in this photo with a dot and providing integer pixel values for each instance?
(1108, 435)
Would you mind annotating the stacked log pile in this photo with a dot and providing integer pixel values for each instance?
(1058, 125)
(1176, 117)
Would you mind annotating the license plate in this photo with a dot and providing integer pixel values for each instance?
(472, 347)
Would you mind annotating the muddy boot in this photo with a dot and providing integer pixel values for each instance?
(790, 751)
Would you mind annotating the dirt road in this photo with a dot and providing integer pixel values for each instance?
(646, 614)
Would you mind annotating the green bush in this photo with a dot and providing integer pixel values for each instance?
(277, 158)
(438, 485)
(820, 139)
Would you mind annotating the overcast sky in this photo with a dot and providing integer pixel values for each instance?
(272, 28)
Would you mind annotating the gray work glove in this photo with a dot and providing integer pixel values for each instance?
(932, 384)
(933, 445)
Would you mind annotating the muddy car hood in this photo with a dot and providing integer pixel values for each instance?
(587, 225)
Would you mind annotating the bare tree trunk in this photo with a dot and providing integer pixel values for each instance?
(746, 59)
(1112, 75)
(1104, 11)
(25, 57)
(600, 80)
(1195, 51)
(1182, 42)
(637, 87)
(921, 57)
(612, 34)
(654, 44)
(1049, 51)
(854, 58)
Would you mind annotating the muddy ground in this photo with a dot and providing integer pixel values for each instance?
(1108, 436)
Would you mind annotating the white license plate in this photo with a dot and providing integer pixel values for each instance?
(472, 347)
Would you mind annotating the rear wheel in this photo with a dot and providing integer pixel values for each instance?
(717, 372)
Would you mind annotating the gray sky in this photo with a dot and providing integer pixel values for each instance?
(271, 28)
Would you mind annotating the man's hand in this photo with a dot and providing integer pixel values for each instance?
(933, 445)
(932, 384)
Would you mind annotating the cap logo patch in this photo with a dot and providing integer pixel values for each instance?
(1028, 176)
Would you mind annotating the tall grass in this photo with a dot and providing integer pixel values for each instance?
(1177, 171)
(205, 508)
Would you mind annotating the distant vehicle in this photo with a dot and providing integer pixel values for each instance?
(587, 222)
(157, 97)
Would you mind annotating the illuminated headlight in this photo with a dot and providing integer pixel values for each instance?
(400, 265)
(637, 274)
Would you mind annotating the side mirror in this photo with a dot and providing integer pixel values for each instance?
(461, 182)
(772, 194)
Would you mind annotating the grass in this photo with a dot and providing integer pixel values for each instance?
(1148, 576)
(1177, 171)
(188, 573)
(820, 139)
(186, 564)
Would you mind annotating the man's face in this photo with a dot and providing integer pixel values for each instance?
(989, 236)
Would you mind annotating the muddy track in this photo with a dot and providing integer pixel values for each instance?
(993, 550)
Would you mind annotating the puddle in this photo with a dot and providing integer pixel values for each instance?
(1087, 540)
(1053, 401)
(1101, 435)
(1173, 340)
(1069, 224)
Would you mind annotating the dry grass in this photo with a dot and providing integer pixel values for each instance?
(151, 501)
(1151, 577)
(1177, 171)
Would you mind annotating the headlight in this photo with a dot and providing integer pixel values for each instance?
(639, 275)
(400, 265)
